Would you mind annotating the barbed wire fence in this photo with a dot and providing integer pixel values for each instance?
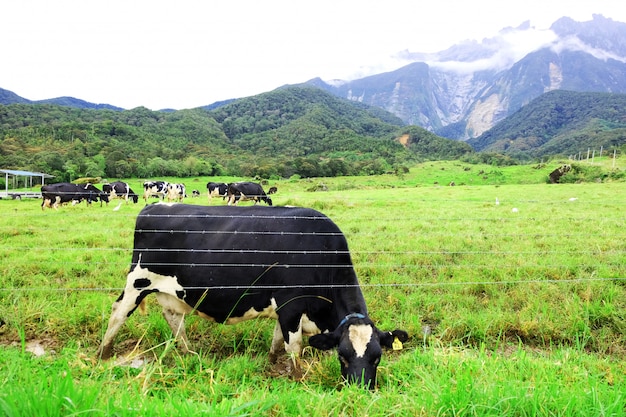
(119, 257)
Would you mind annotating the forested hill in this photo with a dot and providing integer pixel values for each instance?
(559, 122)
(294, 130)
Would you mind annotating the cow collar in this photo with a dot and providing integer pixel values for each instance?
(351, 316)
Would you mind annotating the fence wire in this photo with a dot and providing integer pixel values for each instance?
(612, 233)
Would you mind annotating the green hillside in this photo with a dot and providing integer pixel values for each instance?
(292, 131)
(559, 123)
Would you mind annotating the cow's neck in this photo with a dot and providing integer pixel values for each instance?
(351, 304)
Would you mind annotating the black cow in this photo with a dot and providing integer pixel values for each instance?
(53, 195)
(155, 188)
(230, 264)
(241, 191)
(215, 189)
(118, 189)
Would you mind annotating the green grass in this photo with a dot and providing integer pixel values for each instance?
(525, 308)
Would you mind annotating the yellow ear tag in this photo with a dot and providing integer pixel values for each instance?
(397, 344)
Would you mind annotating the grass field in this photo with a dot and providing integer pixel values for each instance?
(516, 308)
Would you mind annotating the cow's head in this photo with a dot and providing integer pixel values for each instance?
(359, 347)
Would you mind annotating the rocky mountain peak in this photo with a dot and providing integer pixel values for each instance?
(466, 89)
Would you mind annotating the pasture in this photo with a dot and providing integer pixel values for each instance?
(515, 308)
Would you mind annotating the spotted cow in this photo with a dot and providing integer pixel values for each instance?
(176, 192)
(230, 264)
(242, 191)
(118, 189)
(217, 189)
(157, 189)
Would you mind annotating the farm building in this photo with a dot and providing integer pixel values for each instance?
(19, 184)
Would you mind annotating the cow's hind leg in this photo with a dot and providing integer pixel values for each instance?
(123, 307)
(174, 312)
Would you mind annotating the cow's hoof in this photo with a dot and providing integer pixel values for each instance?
(273, 357)
(104, 353)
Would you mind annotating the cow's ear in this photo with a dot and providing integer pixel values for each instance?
(324, 341)
(387, 338)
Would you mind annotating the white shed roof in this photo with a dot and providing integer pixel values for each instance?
(25, 173)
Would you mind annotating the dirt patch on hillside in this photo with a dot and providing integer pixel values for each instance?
(404, 140)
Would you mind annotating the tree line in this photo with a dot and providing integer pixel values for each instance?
(294, 131)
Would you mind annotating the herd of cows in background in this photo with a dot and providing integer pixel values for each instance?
(54, 195)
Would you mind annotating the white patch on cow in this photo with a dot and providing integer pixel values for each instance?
(295, 340)
(269, 311)
(309, 327)
(306, 326)
(360, 335)
(164, 283)
(173, 303)
(168, 287)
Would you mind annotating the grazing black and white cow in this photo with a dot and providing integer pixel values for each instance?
(272, 190)
(241, 191)
(155, 189)
(176, 192)
(230, 264)
(217, 189)
(195, 193)
(53, 195)
(118, 189)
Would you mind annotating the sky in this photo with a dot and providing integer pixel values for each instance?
(190, 53)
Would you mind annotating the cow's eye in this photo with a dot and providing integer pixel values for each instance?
(377, 361)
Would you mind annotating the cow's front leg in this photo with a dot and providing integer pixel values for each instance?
(292, 340)
(278, 344)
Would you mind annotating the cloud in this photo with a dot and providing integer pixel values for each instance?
(573, 43)
(497, 53)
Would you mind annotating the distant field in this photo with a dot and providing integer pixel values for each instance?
(513, 292)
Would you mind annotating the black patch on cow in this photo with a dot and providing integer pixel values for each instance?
(142, 283)
(140, 297)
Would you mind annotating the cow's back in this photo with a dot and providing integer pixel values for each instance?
(275, 252)
(267, 235)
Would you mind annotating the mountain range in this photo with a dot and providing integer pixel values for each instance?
(463, 92)
(467, 89)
